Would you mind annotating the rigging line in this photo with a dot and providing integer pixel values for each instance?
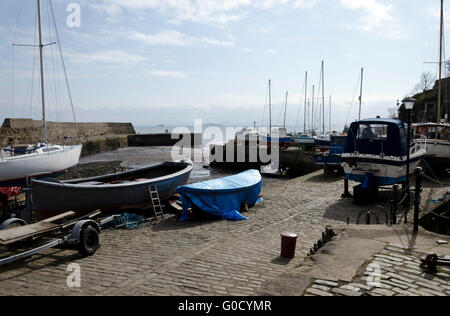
(63, 65)
(300, 106)
(353, 100)
(55, 94)
(13, 74)
(32, 73)
(264, 111)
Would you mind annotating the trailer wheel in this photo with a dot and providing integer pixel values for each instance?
(89, 241)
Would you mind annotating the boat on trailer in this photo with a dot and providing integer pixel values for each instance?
(376, 152)
(112, 192)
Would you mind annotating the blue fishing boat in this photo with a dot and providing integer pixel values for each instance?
(332, 157)
(222, 197)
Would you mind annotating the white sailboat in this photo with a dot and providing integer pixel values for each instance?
(435, 137)
(44, 159)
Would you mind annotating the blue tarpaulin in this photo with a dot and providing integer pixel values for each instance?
(222, 197)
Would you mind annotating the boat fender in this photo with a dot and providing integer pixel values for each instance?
(76, 231)
(11, 221)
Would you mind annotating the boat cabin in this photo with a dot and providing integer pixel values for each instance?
(385, 137)
(432, 131)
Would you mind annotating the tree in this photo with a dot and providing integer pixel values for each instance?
(426, 82)
(393, 113)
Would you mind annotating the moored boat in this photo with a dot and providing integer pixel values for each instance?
(376, 152)
(331, 158)
(112, 192)
(48, 160)
(435, 139)
(19, 161)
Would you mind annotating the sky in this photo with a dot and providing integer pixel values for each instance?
(170, 62)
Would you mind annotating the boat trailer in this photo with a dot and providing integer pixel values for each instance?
(82, 233)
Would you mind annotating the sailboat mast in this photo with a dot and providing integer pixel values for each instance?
(440, 63)
(329, 117)
(360, 94)
(323, 98)
(41, 46)
(285, 108)
(312, 111)
(306, 91)
(270, 107)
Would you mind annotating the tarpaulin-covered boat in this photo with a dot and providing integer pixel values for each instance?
(111, 192)
(222, 197)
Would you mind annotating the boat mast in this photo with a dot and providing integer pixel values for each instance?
(306, 88)
(323, 98)
(360, 94)
(329, 117)
(270, 108)
(312, 111)
(41, 46)
(440, 63)
(285, 108)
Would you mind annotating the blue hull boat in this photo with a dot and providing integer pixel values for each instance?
(222, 197)
(333, 156)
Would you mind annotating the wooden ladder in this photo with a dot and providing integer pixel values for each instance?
(156, 202)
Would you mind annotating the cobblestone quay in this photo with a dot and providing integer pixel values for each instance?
(194, 258)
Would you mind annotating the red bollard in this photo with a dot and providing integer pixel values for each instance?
(288, 244)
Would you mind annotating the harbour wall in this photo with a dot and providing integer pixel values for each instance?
(164, 139)
(97, 137)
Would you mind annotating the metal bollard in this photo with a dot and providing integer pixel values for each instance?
(347, 193)
(368, 218)
(288, 244)
(418, 190)
(394, 208)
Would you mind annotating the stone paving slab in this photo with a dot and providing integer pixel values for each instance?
(375, 280)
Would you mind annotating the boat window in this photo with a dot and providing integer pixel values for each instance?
(372, 132)
(432, 132)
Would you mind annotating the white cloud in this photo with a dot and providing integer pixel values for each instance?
(305, 4)
(375, 13)
(115, 57)
(200, 11)
(175, 38)
(271, 51)
(167, 73)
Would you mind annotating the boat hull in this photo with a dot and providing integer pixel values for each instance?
(437, 156)
(82, 196)
(328, 160)
(14, 170)
(383, 171)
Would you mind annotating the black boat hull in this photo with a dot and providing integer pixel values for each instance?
(112, 193)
